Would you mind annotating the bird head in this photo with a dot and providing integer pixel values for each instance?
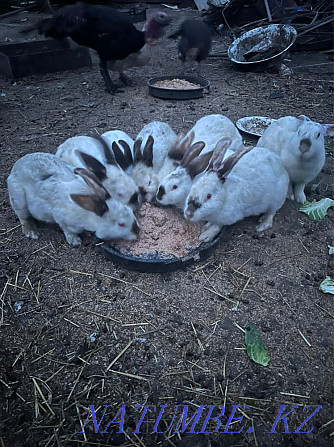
(155, 25)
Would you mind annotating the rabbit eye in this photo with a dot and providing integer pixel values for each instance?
(318, 135)
(174, 187)
(208, 196)
(121, 224)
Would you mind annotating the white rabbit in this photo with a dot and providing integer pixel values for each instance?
(163, 136)
(300, 144)
(212, 128)
(149, 156)
(94, 154)
(46, 188)
(258, 184)
(123, 158)
(174, 187)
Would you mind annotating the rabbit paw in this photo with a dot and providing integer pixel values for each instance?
(29, 230)
(206, 226)
(209, 232)
(73, 239)
(265, 222)
(300, 197)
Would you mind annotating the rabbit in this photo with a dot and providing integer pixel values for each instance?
(146, 157)
(123, 158)
(250, 182)
(164, 137)
(212, 128)
(174, 188)
(94, 154)
(44, 187)
(300, 144)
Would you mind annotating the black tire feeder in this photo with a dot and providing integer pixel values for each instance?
(166, 93)
(154, 263)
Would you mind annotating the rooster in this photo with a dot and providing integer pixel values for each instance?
(106, 31)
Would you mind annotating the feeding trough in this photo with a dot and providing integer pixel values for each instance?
(262, 48)
(155, 263)
(166, 242)
(166, 87)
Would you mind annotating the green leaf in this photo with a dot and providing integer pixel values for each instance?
(256, 348)
(330, 249)
(327, 285)
(317, 210)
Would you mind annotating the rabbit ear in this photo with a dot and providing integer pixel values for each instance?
(192, 152)
(304, 118)
(198, 165)
(127, 152)
(137, 155)
(148, 152)
(230, 162)
(219, 153)
(119, 156)
(329, 128)
(93, 182)
(108, 154)
(93, 165)
(176, 151)
(90, 203)
(188, 140)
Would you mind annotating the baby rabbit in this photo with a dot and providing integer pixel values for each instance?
(46, 188)
(123, 158)
(300, 144)
(248, 183)
(94, 154)
(174, 188)
(149, 156)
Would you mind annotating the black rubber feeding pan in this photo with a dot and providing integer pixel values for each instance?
(155, 264)
(167, 93)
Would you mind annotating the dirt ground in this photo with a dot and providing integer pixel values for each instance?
(77, 330)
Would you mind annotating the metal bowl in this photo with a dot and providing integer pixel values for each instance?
(154, 263)
(254, 125)
(259, 40)
(166, 93)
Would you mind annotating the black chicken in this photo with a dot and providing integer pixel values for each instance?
(195, 42)
(103, 29)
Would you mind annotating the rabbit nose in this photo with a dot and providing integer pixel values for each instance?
(305, 145)
(135, 228)
(161, 192)
(188, 214)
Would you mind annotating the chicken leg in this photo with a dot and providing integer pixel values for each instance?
(112, 88)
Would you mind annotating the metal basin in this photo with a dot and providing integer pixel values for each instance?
(273, 41)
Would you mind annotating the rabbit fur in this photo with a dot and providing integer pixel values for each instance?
(102, 162)
(46, 188)
(174, 188)
(300, 144)
(248, 183)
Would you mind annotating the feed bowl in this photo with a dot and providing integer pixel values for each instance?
(168, 93)
(155, 263)
(254, 125)
(262, 48)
